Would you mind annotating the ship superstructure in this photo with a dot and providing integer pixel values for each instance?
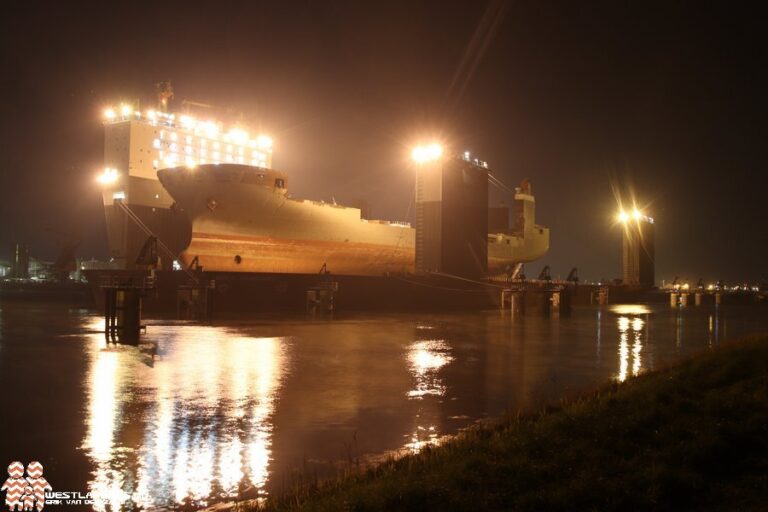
(138, 143)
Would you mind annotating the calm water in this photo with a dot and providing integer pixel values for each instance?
(204, 413)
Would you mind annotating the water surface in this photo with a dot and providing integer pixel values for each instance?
(200, 414)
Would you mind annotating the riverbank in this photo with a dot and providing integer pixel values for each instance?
(691, 437)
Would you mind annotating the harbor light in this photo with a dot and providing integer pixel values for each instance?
(264, 142)
(187, 122)
(211, 129)
(109, 114)
(624, 216)
(423, 154)
(637, 247)
(108, 177)
(238, 136)
(126, 110)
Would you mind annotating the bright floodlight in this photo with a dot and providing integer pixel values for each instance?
(238, 136)
(264, 142)
(108, 177)
(211, 129)
(187, 121)
(636, 214)
(109, 114)
(623, 216)
(422, 154)
(126, 110)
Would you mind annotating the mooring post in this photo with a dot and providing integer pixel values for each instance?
(517, 302)
(131, 316)
(122, 309)
(109, 314)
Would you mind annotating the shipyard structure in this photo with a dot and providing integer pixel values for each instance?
(208, 198)
(638, 249)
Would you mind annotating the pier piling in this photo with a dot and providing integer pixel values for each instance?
(122, 307)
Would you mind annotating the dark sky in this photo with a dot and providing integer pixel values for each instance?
(581, 97)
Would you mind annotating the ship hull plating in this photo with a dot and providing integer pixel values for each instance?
(258, 254)
(242, 220)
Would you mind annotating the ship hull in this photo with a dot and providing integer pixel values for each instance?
(243, 221)
(293, 256)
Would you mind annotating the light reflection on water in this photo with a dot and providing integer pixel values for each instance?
(630, 327)
(207, 430)
(219, 412)
(630, 309)
(425, 359)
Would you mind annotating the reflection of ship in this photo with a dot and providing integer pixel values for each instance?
(244, 221)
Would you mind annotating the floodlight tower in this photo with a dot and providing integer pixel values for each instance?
(638, 248)
(451, 214)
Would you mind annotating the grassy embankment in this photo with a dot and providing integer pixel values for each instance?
(692, 437)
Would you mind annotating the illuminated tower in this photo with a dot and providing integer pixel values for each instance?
(136, 145)
(638, 249)
(451, 214)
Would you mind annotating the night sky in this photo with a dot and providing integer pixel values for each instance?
(583, 98)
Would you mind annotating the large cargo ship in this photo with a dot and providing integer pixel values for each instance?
(243, 220)
(211, 196)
